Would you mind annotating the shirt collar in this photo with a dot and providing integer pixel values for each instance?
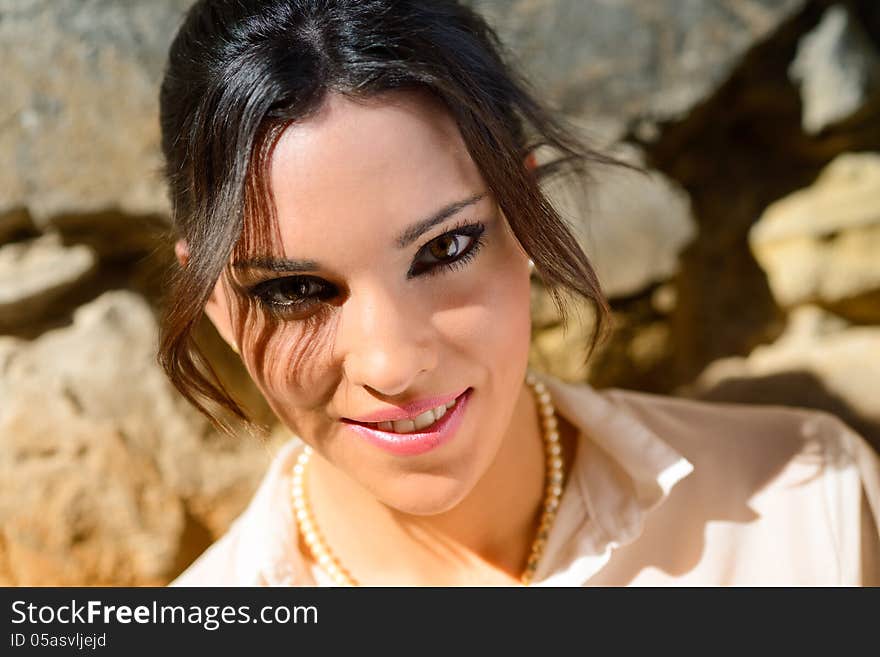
(621, 471)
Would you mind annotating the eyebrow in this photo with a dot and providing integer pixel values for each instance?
(403, 240)
(419, 228)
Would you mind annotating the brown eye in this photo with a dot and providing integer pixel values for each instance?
(294, 293)
(450, 250)
(448, 246)
(293, 290)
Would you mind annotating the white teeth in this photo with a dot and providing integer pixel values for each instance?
(403, 426)
(426, 419)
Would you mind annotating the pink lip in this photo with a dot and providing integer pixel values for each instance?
(419, 442)
(405, 411)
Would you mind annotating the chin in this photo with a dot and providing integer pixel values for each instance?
(426, 495)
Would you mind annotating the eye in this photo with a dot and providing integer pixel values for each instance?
(450, 250)
(293, 294)
(448, 246)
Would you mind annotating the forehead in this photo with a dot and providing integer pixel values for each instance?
(390, 160)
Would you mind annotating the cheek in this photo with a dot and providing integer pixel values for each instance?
(480, 316)
(290, 364)
(489, 320)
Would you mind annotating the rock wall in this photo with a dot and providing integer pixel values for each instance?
(745, 266)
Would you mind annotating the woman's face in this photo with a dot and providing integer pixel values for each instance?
(393, 279)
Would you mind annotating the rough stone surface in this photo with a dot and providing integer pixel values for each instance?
(821, 244)
(632, 225)
(106, 475)
(820, 361)
(610, 64)
(36, 274)
(838, 70)
(78, 127)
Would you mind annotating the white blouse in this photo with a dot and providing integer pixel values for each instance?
(663, 491)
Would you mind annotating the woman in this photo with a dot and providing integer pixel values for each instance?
(357, 204)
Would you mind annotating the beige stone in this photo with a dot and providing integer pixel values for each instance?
(78, 112)
(820, 360)
(838, 70)
(106, 475)
(822, 244)
(615, 60)
(632, 225)
(36, 274)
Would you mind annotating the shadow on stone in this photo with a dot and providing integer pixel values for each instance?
(194, 540)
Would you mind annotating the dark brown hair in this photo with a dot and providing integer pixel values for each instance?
(239, 71)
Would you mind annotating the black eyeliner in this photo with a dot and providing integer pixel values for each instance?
(260, 291)
(474, 229)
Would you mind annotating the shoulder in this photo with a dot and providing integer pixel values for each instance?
(800, 470)
(747, 436)
(735, 446)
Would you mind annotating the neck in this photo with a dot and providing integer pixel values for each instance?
(488, 535)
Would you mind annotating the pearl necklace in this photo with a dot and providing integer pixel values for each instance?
(552, 493)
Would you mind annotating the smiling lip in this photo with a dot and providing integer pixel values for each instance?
(417, 442)
(407, 411)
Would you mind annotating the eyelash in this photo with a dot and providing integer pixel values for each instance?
(263, 291)
(473, 230)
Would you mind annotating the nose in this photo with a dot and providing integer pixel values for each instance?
(386, 339)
